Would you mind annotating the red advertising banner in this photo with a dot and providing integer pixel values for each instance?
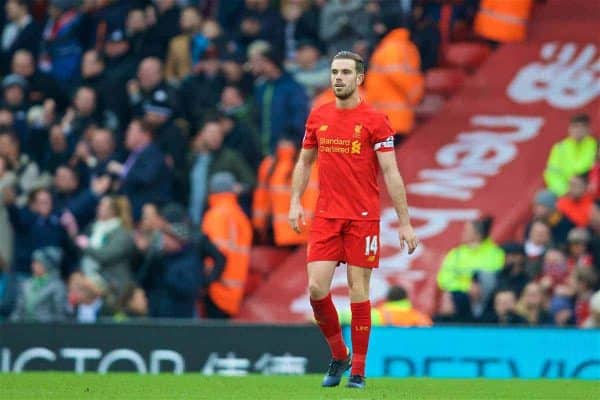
(483, 154)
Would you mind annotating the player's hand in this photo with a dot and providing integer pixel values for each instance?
(296, 216)
(407, 234)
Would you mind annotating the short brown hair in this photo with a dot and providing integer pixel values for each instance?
(349, 55)
(144, 125)
(580, 118)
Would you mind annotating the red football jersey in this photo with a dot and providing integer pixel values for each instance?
(346, 142)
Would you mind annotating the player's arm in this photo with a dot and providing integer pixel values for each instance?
(395, 187)
(300, 179)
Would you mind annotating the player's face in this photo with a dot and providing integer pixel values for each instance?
(344, 78)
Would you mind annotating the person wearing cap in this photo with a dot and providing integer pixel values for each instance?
(185, 50)
(62, 47)
(20, 32)
(43, 297)
(544, 209)
(577, 249)
(310, 69)
(226, 225)
(282, 103)
(574, 155)
(14, 98)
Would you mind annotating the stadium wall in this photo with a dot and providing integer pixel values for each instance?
(235, 349)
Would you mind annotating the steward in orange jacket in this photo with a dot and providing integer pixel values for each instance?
(226, 225)
(271, 203)
(394, 82)
(503, 20)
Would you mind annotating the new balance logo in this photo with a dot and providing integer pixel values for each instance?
(323, 128)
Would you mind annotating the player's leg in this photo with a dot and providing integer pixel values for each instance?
(358, 283)
(324, 252)
(361, 244)
(320, 275)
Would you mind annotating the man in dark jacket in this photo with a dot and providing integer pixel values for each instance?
(35, 226)
(173, 273)
(144, 177)
(281, 101)
(20, 32)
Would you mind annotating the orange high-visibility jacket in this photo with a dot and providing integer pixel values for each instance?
(226, 225)
(399, 313)
(394, 82)
(273, 193)
(502, 20)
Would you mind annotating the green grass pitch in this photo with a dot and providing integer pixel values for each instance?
(54, 385)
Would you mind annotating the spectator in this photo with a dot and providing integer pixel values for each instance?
(136, 32)
(20, 32)
(236, 75)
(187, 49)
(577, 253)
(226, 225)
(577, 205)
(150, 86)
(394, 82)
(209, 157)
(282, 103)
(121, 64)
(513, 275)
(531, 305)
(544, 208)
(163, 24)
(43, 297)
(426, 36)
(446, 312)
(586, 283)
(561, 310)
(94, 75)
(91, 160)
(505, 310)
(200, 92)
(8, 289)
(143, 178)
(41, 86)
(240, 136)
(310, 69)
(35, 226)
(593, 320)
(86, 113)
(14, 98)
(397, 310)
(538, 241)
(62, 46)
(343, 23)
(7, 181)
(572, 156)
(477, 253)
(260, 21)
(554, 270)
(27, 172)
(59, 151)
(173, 268)
(107, 249)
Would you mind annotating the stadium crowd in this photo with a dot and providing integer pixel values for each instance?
(145, 146)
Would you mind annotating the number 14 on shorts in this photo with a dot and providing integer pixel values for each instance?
(371, 245)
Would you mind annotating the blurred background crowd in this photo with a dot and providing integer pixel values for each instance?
(147, 146)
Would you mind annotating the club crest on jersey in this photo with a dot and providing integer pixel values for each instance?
(355, 147)
(323, 128)
(357, 129)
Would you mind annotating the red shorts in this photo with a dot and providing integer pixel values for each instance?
(351, 241)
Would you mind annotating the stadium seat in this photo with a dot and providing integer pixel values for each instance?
(466, 55)
(266, 259)
(444, 81)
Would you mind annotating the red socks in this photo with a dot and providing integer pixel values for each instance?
(361, 328)
(327, 319)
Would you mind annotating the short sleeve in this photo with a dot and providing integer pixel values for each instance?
(382, 134)
(310, 128)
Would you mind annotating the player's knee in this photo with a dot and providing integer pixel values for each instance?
(358, 291)
(317, 290)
